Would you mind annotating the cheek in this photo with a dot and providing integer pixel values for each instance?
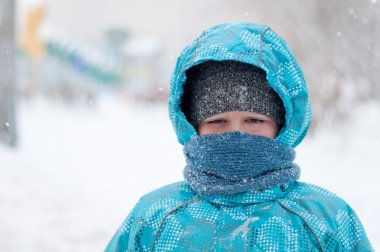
(265, 130)
(207, 129)
(270, 131)
(203, 129)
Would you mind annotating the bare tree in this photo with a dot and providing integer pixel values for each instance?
(7, 72)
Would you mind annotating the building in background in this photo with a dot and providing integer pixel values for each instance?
(61, 66)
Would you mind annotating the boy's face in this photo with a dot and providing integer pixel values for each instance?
(243, 121)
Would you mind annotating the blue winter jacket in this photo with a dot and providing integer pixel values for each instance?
(292, 217)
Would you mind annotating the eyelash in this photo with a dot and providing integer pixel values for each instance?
(216, 121)
(255, 120)
(251, 120)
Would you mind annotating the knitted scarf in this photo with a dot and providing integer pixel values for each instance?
(235, 162)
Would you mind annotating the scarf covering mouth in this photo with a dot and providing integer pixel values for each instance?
(235, 162)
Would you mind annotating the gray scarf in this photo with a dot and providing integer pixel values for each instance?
(235, 162)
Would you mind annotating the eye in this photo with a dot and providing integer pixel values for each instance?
(255, 120)
(216, 121)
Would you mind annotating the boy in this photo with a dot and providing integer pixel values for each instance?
(239, 105)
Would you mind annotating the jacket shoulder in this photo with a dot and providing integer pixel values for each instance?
(304, 190)
(316, 200)
(329, 217)
(138, 230)
(164, 199)
(177, 191)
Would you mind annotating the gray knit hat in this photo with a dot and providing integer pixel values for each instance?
(215, 87)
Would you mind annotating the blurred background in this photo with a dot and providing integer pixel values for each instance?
(84, 130)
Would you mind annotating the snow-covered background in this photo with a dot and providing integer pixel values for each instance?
(85, 155)
(79, 170)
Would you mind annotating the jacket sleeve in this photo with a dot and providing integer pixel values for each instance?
(351, 233)
(125, 237)
(347, 234)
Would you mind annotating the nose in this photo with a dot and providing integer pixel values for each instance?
(236, 126)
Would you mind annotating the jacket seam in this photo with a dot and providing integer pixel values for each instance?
(306, 223)
(167, 215)
(261, 45)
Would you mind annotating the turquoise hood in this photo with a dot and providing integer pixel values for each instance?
(253, 44)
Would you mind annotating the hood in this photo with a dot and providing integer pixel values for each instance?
(254, 44)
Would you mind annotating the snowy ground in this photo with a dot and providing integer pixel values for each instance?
(79, 170)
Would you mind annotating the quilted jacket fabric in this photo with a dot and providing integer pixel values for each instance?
(293, 217)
